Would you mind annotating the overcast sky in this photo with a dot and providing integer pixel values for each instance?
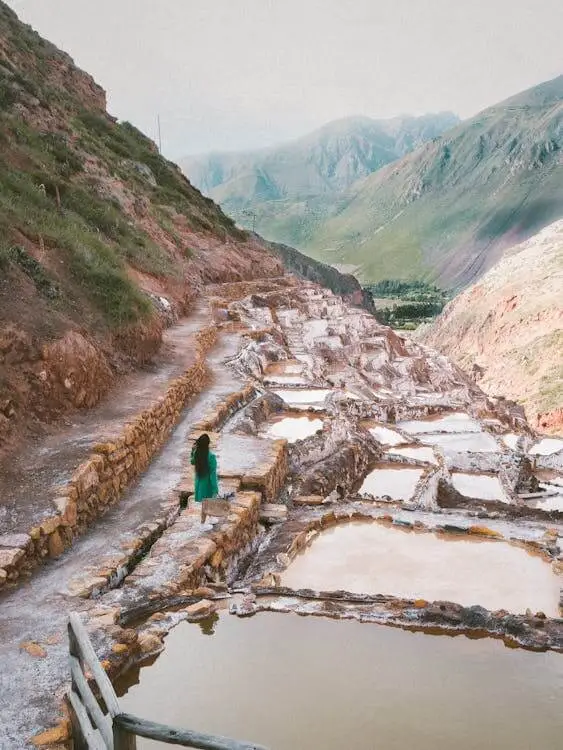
(233, 74)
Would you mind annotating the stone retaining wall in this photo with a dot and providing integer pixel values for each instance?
(181, 562)
(101, 480)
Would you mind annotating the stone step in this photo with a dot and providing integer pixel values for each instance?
(273, 513)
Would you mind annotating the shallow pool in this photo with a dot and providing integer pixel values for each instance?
(479, 486)
(371, 558)
(389, 479)
(294, 428)
(547, 447)
(424, 454)
(304, 398)
(457, 422)
(295, 683)
(475, 442)
(386, 436)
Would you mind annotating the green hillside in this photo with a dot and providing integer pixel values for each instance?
(290, 190)
(446, 212)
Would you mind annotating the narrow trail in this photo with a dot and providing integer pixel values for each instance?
(38, 610)
(30, 479)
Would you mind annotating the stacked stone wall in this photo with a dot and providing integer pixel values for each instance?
(101, 480)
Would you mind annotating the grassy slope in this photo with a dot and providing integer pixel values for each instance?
(446, 212)
(55, 136)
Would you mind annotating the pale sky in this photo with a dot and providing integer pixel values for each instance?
(237, 74)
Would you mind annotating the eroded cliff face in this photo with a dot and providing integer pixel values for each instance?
(507, 329)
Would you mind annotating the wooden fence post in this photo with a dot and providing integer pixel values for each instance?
(122, 739)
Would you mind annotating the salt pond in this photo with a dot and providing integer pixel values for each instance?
(388, 479)
(386, 436)
(294, 428)
(457, 422)
(370, 558)
(476, 442)
(295, 683)
(479, 486)
(418, 454)
(547, 446)
(305, 398)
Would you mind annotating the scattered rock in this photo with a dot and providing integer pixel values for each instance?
(149, 643)
(33, 649)
(60, 733)
(200, 609)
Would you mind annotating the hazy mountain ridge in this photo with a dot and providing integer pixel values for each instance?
(447, 211)
(323, 163)
(444, 212)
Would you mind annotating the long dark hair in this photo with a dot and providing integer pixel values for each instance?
(202, 455)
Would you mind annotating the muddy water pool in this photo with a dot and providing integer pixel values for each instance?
(370, 558)
(389, 479)
(479, 486)
(296, 683)
(294, 428)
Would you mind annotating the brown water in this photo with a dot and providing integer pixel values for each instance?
(370, 558)
(396, 482)
(295, 683)
(294, 428)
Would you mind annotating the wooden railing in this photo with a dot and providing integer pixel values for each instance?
(108, 728)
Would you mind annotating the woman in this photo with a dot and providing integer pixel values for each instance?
(205, 462)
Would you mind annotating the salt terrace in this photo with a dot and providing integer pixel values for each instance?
(373, 482)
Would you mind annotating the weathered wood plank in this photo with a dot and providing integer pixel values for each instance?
(81, 647)
(182, 737)
(80, 685)
(122, 739)
(93, 739)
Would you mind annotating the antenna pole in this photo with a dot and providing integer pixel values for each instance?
(159, 135)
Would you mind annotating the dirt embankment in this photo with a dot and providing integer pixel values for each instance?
(507, 329)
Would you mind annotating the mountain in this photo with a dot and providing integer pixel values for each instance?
(292, 186)
(510, 325)
(103, 242)
(447, 211)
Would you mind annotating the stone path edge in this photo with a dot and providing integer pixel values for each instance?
(101, 480)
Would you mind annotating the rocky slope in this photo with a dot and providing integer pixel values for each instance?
(508, 328)
(103, 242)
(447, 211)
(293, 186)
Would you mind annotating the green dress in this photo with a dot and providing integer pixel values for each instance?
(207, 486)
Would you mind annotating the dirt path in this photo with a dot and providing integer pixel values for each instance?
(38, 611)
(30, 479)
